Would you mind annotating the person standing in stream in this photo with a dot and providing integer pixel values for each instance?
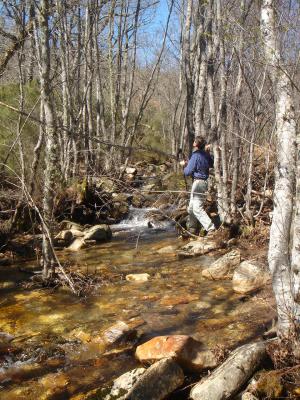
(198, 168)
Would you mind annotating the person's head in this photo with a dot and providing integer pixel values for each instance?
(199, 143)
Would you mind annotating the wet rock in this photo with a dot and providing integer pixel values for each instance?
(197, 248)
(159, 381)
(119, 332)
(98, 232)
(224, 267)
(202, 305)
(188, 352)
(78, 244)
(138, 277)
(123, 384)
(249, 276)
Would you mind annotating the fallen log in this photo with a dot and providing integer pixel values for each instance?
(229, 378)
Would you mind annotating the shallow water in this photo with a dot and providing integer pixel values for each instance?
(58, 338)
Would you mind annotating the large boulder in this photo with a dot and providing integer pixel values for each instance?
(188, 352)
(250, 276)
(224, 267)
(100, 233)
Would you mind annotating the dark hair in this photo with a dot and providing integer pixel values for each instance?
(200, 142)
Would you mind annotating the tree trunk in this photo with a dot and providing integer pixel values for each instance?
(51, 140)
(284, 191)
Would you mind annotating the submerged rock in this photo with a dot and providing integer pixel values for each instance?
(249, 276)
(188, 352)
(224, 267)
(138, 277)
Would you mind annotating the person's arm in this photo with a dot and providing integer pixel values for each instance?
(190, 168)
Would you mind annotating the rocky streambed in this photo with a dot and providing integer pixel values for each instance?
(55, 345)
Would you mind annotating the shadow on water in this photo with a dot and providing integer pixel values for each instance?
(58, 349)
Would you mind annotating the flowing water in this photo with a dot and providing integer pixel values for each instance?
(57, 350)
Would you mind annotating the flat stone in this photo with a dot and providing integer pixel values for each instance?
(137, 277)
(188, 352)
(250, 276)
(224, 267)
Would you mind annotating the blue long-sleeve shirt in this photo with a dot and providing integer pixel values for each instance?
(199, 164)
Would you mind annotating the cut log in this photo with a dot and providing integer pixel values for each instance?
(230, 377)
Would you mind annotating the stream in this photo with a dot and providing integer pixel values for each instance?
(56, 348)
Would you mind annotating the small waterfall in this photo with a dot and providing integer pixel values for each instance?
(138, 219)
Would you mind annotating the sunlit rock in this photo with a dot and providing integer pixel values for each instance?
(159, 381)
(119, 332)
(197, 248)
(123, 384)
(98, 232)
(138, 277)
(224, 267)
(188, 352)
(130, 170)
(249, 276)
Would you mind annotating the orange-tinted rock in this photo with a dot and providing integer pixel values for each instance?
(188, 352)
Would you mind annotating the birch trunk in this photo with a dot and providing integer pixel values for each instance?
(279, 253)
